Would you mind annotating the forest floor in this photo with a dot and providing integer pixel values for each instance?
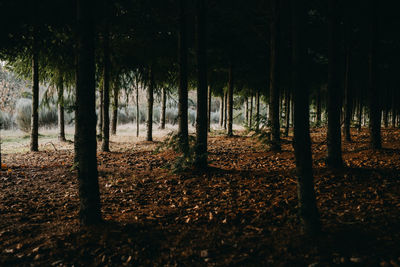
(240, 212)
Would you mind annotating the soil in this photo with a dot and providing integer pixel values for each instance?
(241, 211)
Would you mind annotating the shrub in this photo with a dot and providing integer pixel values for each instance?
(48, 117)
(23, 114)
(6, 120)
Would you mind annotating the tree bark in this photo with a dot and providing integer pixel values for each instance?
(101, 92)
(374, 106)
(150, 102)
(60, 107)
(334, 158)
(302, 144)
(114, 118)
(163, 107)
(209, 110)
(85, 120)
(201, 119)
(273, 85)
(348, 102)
(105, 145)
(34, 144)
(257, 111)
(230, 101)
(287, 112)
(319, 108)
(251, 112)
(221, 111)
(225, 109)
(183, 128)
(246, 107)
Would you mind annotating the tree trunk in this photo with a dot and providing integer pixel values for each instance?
(221, 111)
(105, 146)
(183, 128)
(302, 144)
(225, 109)
(319, 108)
(101, 92)
(201, 119)
(60, 106)
(273, 85)
(257, 111)
(251, 113)
(359, 115)
(334, 159)
(386, 118)
(209, 109)
(150, 102)
(137, 110)
(114, 118)
(230, 101)
(374, 106)
(163, 107)
(348, 102)
(287, 113)
(85, 117)
(246, 107)
(34, 145)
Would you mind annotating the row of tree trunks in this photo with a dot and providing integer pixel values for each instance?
(201, 119)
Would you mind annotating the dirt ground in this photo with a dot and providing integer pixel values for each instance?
(240, 212)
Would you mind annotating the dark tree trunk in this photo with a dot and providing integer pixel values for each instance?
(201, 119)
(101, 91)
(334, 158)
(273, 84)
(257, 111)
(85, 116)
(386, 118)
(374, 107)
(105, 146)
(251, 113)
(150, 102)
(348, 100)
(114, 118)
(302, 144)
(225, 109)
(319, 108)
(137, 110)
(209, 109)
(287, 113)
(34, 146)
(60, 107)
(221, 111)
(163, 107)
(183, 130)
(359, 115)
(230, 101)
(246, 107)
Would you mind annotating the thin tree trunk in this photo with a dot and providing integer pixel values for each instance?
(225, 109)
(257, 111)
(60, 106)
(201, 119)
(137, 110)
(85, 120)
(150, 102)
(374, 107)
(287, 113)
(221, 111)
(163, 107)
(348, 99)
(114, 118)
(183, 128)
(274, 90)
(101, 91)
(209, 109)
(230, 100)
(105, 145)
(34, 145)
(386, 117)
(246, 107)
(334, 159)
(319, 108)
(251, 113)
(359, 119)
(302, 144)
